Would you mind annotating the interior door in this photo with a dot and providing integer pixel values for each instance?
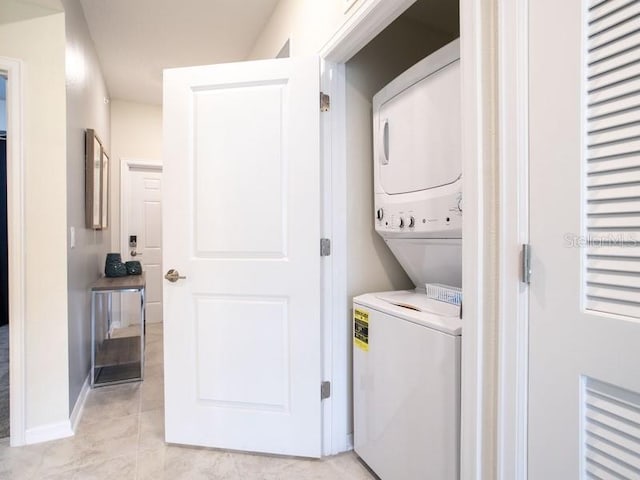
(241, 215)
(143, 237)
(584, 390)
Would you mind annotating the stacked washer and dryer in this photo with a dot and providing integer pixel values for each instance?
(406, 351)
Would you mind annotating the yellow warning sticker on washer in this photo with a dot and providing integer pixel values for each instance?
(361, 329)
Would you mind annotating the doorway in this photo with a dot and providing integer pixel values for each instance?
(141, 220)
(4, 267)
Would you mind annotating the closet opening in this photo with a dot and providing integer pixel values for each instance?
(4, 267)
(428, 26)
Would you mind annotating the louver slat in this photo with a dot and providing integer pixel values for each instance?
(614, 193)
(609, 63)
(618, 13)
(615, 107)
(614, 77)
(613, 178)
(619, 119)
(617, 135)
(613, 279)
(612, 213)
(619, 294)
(631, 206)
(613, 49)
(616, 91)
(622, 222)
(611, 431)
(601, 8)
(614, 34)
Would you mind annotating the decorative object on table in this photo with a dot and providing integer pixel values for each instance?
(96, 182)
(114, 267)
(134, 267)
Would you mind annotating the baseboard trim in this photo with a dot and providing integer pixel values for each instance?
(78, 408)
(52, 431)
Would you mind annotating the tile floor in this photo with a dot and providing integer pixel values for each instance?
(121, 436)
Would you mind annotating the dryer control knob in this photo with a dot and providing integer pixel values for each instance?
(380, 214)
(398, 222)
(412, 222)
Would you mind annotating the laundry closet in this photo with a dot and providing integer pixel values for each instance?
(406, 345)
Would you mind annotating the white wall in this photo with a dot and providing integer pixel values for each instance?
(86, 108)
(40, 44)
(136, 132)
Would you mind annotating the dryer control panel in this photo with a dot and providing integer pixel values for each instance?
(440, 217)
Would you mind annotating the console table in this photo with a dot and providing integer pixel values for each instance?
(117, 355)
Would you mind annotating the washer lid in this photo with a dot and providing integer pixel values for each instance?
(446, 323)
(420, 303)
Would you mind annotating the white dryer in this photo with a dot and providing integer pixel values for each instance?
(406, 345)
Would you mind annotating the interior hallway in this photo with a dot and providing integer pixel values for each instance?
(121, 436)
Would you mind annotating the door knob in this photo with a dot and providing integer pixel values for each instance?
(135, 254)
(173, 276)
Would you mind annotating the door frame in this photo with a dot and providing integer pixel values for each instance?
(513, 227)
(482, 257)
(15, 71)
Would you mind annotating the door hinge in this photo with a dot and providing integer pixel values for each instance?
(325, 247)
(325, 102)
(325, 390)
(526, 263)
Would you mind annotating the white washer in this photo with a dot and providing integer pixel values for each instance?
(406, 387)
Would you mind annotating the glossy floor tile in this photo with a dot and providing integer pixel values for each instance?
(121, 436)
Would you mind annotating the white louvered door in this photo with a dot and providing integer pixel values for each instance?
(584, 338)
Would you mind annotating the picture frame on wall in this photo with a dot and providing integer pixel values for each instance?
(96, 182)
(104, 191)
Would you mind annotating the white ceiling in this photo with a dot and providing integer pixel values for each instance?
(137, 39)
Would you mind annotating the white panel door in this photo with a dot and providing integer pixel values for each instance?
(584, 384)
(241, 217)
(143, 219)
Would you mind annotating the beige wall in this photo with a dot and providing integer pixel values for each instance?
(136, 132)
(44, 113)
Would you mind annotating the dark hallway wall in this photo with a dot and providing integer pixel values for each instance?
(4, 257)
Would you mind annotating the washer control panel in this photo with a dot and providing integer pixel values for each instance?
(438, 217)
